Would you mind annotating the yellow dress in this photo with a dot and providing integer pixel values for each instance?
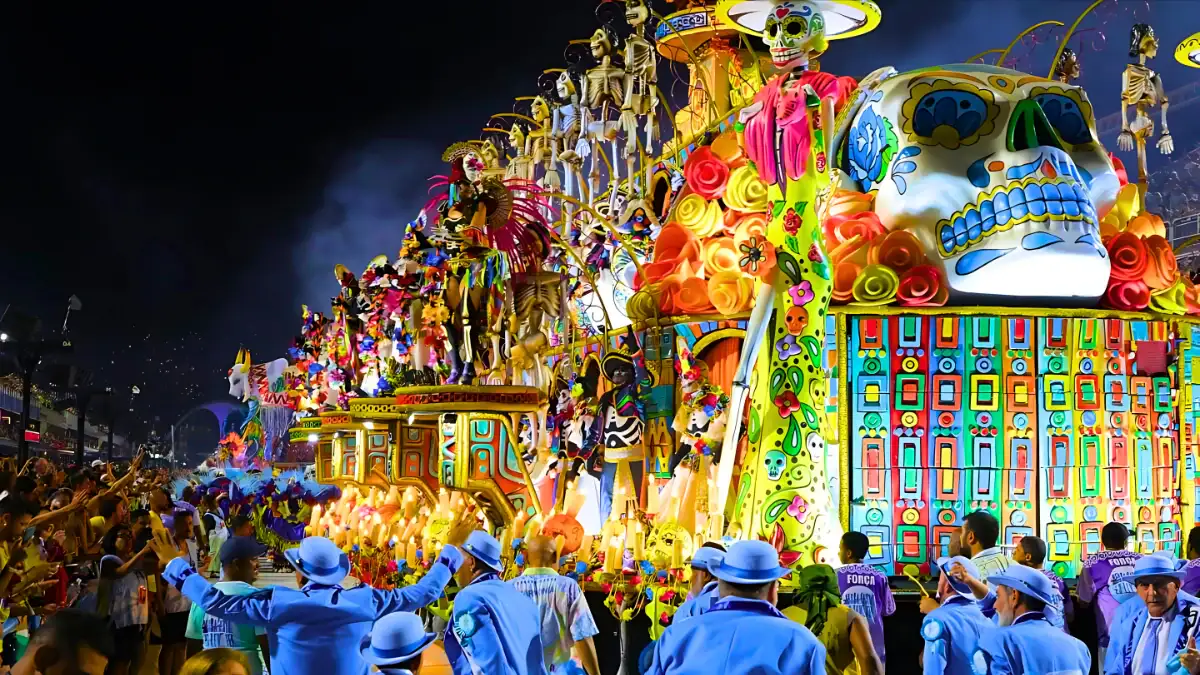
(839, 657)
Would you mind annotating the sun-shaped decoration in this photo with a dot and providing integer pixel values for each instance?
(1188, 51)
(843, 18)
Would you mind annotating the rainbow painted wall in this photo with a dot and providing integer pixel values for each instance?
(1055, 424)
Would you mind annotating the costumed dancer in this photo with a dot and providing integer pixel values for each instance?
(864, 588)
(395, 644)
(620, 426)
(844, 632)
(703, 589)
(1143, 89)
(953, 628)
(1103, 580)
(1155, 634)
(318, 629)
(741, 632)
(494, 627)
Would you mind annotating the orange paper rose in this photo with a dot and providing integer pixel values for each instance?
(692, 296)
(720, 255)
(705, 174)
(1146, 225)
(844, 275)
(922, 286)
(730, 292)
(749, 225)
(839, 229)
(676, 242)
(1161, 268)
(1127, 295)
(1129, 258)
(898, 249)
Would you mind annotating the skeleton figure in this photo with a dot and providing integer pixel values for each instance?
(1143, 89)
(603, 88)
(641, 93)
(520, 166)
(490, 154)
(540, 145)
(568, 140)
(537, 298)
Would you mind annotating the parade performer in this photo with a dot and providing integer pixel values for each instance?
(1156, 634)
(864, 588)
(704, 591)
(316, 629)
(1031, 552)
(742, 632)
(1029, 643)
(844, 632)
(620, 425)
(494, 628)
(980, 533)
(567, 622)
(1101, 580)
(953, 628)
(395, 644)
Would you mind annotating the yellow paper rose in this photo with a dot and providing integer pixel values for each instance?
(875, 285)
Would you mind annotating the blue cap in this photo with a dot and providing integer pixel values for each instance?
(1026, 580)
(240, 548)
(319, 560)
(706, 556)
(1158, 564)
(945, 564)
(749, 562)
(484, 548)
(394, 639)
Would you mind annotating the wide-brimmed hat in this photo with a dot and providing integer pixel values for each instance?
(395, 639)
(843, 18)
(1157, 565)
(484, 548)
(615, 359)
(749, 562)
(319, 560)
(705, 557)
(945, 564)
(1025, 580)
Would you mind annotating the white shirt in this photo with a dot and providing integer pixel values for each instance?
(1164, 652)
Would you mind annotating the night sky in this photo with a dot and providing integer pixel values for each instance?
(194, 172)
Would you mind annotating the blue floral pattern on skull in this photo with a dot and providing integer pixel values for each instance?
(872, 143)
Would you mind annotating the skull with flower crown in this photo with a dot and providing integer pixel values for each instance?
(998, 174)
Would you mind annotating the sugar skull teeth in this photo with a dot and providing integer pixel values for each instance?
(999, 210)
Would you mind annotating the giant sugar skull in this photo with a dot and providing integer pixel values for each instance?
(999, 174)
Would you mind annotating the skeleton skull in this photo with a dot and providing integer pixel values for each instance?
(796, 319)
(636, 12)
(999, 174)
(601, 44)
(815, 445)
(564, 86)
(795, 32)
(774, 463)
(473, 166)
(539, 110)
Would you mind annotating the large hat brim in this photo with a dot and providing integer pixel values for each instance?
(1188, 51)
(373, 657)
(612, 360)
(332, 579)
(735, 575)
(843, 18)
(1015, 584)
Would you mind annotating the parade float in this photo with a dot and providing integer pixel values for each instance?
(818, 304)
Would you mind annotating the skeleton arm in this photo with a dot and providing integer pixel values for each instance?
(1125, 138)
(1165, 144)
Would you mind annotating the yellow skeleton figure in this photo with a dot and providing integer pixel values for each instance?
(1143, 89)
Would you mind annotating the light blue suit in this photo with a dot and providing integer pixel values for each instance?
(951, 635)
(738, 635)
(316, 630)
(700, 604)
(1126, 631)
(1031, 646)
(495, 630)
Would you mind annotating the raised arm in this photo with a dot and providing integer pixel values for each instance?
(252, 609)
(415, 597)
(864, 650)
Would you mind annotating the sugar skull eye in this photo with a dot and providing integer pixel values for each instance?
(1065, 115)
(957, 114)
(797, 27)
(772, 29)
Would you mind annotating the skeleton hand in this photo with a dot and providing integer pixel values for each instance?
(1125, 140)
(749, 111)
(1165, 145)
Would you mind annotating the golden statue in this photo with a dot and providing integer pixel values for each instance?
(1143, 89)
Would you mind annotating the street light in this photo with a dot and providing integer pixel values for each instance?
(3, 337)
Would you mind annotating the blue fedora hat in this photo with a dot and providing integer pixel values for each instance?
(484, 548)
(394, 639)
(1158, 565)
(1025, 580)
(946, 564)
(319, 560)
(749, 562)
(705, 557)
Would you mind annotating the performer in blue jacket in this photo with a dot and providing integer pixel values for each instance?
(395, 644)
(495, 629)
(316, 630)
(1028, 644)
(953, 628)
(742, 632)
(1155, 633)
(704, 592)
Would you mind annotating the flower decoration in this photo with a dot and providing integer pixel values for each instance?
(787, 403)
(1161, 267)
(699, 215)
(706, 174)
(872, 142)
(788, 346)
(756, 256)
(898, 249)
(844, 275)
(791, 221)
(730, 292)
(875, 285)
(801, 293)
(842, 228)
(1119, 168)
(798, 509)
(922, 286)
(1170, 300)
(1128, 255)
(1147, 225)
(1127, 295)
(746, 192)
(720, 255)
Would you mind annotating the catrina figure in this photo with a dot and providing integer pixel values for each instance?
(1067, 68)
(620, 425)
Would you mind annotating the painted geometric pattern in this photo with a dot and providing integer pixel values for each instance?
(349, 467)
(418, 455)
(378, 457)
(494, 456)
(1044, 422)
